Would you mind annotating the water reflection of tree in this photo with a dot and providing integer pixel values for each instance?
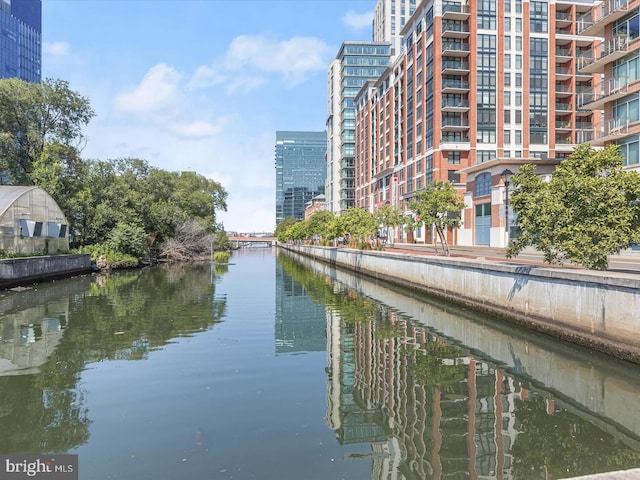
(133, 312)
(437, 364)
(120, 316)
(560, 444)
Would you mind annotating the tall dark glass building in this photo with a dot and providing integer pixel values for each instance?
(301, 171)
(21, 39)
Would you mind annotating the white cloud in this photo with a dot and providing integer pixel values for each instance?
(357, 21)
(57, 49)
(250, 58)
(158, 92)
(205, 76)
(201, 128)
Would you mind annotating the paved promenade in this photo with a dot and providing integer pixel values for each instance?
(628, 261)
(620, 475)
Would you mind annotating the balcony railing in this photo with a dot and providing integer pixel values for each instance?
(613, 128)
(607, 52)
(593, 22)
(453, 48)
(455, 103)
(608, 91)
(564, 71)
(455, 84)
(455, 10)
(452, 65)
(455, 27)
(563, 107)
(455, 122)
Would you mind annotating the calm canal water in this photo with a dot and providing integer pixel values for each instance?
(278, 369)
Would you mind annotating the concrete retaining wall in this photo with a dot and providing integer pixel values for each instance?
(23, 271)
(599, 310)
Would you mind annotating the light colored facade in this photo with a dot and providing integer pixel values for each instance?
(389, 18)
(486, 87)
(355, 64)
(615, 59)
(315, 205)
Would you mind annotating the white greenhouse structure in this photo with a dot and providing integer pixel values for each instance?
(31, 222)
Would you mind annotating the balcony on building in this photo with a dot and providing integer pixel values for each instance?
(454, 67)
(606, 52)
(563, 72)
(563, 28)
(563, 55)
(455, 141)
(593, 23)
(563, 107)
(563, 18)
(564, 90)
(455, 29)
(563, 126)
(450, 85)
(612, 129)
(455, 49)
(455, 11)
(608, 91)
(455, 104)
(455, 124)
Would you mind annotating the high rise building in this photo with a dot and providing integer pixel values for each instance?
(355, 64)
(614, 59)
(21, 39)
(300, 171)
(478, 89)
(389, 18)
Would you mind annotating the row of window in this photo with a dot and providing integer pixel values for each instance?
(31, 228)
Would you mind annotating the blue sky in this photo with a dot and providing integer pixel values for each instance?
(202, 85)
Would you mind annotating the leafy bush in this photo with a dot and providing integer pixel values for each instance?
(221, 257)
(129, 239)
(106, 257)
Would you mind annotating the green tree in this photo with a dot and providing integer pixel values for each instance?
(388, 216)
(33, 116)
(588, 211)
(297, 231)
(282, 227)
(129, 239)
(319, 222)
(359, 224)
(221, 241)
(439, 205)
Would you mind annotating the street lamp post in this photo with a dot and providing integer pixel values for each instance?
(505, 176)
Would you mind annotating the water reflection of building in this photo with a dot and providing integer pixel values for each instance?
(453, 419)
(29, 336)
(300, 323)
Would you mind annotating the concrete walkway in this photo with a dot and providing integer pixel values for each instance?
(628, 261)
(620, 475)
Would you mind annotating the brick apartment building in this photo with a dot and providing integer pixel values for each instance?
(479, 88)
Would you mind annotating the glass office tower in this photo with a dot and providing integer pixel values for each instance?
(21, 39)
(301, 171)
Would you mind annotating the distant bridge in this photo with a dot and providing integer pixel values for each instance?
(253, 241)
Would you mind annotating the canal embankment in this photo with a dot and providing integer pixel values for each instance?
(597, 310)
(29, 270)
